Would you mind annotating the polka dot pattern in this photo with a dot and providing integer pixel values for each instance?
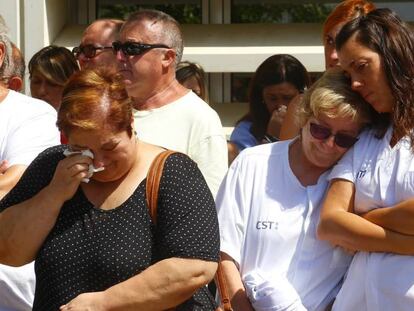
(90, 249)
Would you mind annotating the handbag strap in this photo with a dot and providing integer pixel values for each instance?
(153, 182)
(221, 284)
(152, 189)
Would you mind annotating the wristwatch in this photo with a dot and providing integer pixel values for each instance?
(269, 138)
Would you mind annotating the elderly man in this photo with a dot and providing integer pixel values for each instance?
(96, 44)
(27, 127)
(13, 74)
(167, 114)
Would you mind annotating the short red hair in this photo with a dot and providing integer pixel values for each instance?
(93, 99)
(346, 11)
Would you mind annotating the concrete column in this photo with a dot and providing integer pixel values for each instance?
(10, 10)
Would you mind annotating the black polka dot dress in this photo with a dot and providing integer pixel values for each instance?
(90, 249)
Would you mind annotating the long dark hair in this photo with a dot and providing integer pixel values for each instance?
(276, 69)
(385, 33)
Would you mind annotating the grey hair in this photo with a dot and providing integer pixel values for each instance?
(17, 66)
(170, 33)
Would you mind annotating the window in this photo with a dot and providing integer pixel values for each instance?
(184, 11)
(244, 11)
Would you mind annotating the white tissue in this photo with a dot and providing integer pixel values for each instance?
(86, 153)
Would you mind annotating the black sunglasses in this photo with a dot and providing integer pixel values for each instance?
(135, 48)
(88, 50)
(322, 132)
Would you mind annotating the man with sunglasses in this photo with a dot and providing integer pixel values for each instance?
(167, 114)
(96, 44)
(27, 127)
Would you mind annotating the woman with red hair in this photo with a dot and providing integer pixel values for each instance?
(343, 13)
(84, 219)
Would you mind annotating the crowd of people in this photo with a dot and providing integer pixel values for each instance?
(315, 211)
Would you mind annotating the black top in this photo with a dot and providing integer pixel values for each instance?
(90, 249)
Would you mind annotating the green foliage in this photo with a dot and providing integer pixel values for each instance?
(241, 13)
(183, 13)
(279, 13)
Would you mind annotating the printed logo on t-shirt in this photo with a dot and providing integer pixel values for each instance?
(361, 174)
(267, 225)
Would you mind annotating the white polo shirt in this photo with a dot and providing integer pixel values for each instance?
(383, 176)
(268, 223)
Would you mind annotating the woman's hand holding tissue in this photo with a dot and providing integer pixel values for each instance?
(68, 175)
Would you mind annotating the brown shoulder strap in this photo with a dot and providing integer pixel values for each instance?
(221, 284)
(152, 187)
(153, 182)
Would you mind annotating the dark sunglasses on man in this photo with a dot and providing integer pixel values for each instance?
(88, 50)
(135, 48)
(321, 132)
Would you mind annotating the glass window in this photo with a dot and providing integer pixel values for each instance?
(283, 11)
(244, 11)
(240, 86)
(184, 11)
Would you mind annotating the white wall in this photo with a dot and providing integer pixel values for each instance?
(10, 10)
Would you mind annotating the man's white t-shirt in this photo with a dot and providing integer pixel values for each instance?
(268, 224)
(27, 127)
(383, 176)
(191, 126)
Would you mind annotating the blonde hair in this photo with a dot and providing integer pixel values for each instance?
(332, 96)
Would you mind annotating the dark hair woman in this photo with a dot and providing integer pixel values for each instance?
(275, 83)
(369, 206)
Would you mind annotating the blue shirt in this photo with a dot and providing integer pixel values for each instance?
(242, 136)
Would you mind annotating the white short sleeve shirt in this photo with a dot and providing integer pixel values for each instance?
(383, 176)
(191, 126)
(27, 127)
(268, 223)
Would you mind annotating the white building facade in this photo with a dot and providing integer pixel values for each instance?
(227, 48)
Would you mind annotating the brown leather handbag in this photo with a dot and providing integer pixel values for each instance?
(152, 187)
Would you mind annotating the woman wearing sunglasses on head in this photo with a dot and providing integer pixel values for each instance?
(268, 207)
(80, 212)
(369, 207)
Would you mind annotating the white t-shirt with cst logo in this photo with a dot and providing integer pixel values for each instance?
(268, 223)
(383, 176)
